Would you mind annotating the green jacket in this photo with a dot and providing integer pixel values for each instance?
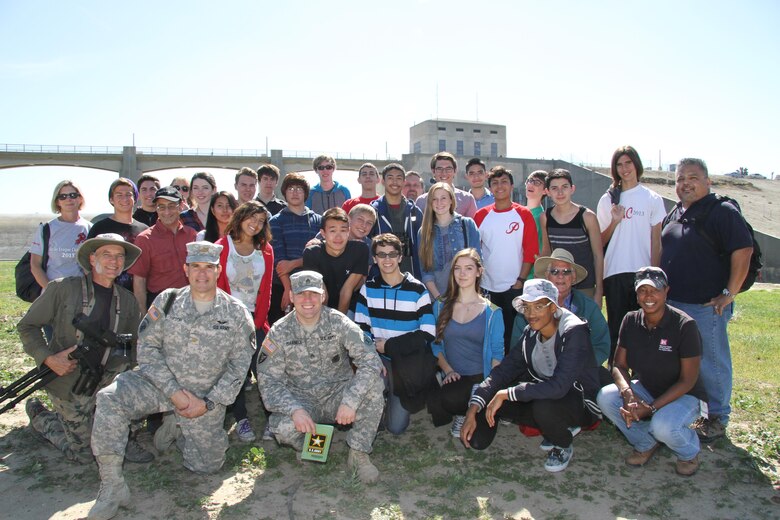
(57, 306)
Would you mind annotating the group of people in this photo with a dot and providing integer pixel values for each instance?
(363, 311)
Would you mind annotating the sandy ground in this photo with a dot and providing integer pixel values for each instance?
(425, 473)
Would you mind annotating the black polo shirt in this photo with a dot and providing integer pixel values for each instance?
(697, 272)
(654, 355)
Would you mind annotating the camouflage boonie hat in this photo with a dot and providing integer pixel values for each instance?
(205, 252)
(306, 281)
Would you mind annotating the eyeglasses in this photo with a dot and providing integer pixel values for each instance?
(295, 188)
(167, 207)
(564, 272)
(65, 196)
(448, 169)
(533, 309)
(534, 181)
(391, 254)
(184, 189)
(324, 167)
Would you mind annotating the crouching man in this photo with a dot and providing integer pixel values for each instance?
(194, 349)
(305, 376)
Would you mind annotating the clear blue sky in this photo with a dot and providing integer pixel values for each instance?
(569, 79)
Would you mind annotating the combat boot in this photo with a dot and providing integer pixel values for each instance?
(113, 489)
(358, 462)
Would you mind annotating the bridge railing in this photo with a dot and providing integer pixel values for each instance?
(60, 148)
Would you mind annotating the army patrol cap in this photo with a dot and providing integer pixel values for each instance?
(306, 281)
(204, 252)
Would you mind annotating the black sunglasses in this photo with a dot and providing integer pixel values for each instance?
(65, 196)
(185, 189)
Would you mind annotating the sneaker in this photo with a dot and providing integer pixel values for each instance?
(709, 430)
(686, 468)
(268, 435)
(640, 458)
(558, 458)
(505, 422)
(244, 431)
(457, 424)
(547, 445)
(137, 453)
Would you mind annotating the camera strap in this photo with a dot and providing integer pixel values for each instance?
(88, 305)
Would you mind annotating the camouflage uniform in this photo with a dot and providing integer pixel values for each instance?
(312, 370)
(69, 425)
(206, 354)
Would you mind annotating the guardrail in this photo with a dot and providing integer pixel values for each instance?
(164, 150)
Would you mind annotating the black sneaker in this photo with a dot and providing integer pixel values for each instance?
(558, 458)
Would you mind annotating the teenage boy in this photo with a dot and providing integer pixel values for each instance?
(445, 169)
(631, 230)
(535, 192)
(268, 176)
(510, 245)
(395, 310)
(328, 193)
(476, 174)
(574, 228)
(343, 263)
(246, 185)
(292, 228)
(147, 187)
(121, 194)
(398, 215)
(368, 178)
(413, 185)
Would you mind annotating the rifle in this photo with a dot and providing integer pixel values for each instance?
(92, 354)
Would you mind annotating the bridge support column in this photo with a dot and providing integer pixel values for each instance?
(130, 164)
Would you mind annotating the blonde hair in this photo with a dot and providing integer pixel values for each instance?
(54, 207)
(428, 223)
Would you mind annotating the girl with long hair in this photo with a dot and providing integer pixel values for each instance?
(247, 261)
(469, 335)
(443, 233)
(202, 186)
(221, 208)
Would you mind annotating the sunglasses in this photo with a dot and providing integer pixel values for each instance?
(65, 196)
(655, 276)
(185, 189)
(325, 167)
(556, 272)
(392, 254)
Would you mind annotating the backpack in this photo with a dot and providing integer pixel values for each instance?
(27, 287)
(754, 270)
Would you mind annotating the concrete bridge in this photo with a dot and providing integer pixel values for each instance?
(132, 162)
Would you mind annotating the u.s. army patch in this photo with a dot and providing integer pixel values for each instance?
(269, 347)
(154, 313)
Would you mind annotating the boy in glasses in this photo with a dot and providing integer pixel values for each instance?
(535, 192)
(576, 228)
(394, 310)
(444, 168)
(328, 193)
(561, 269)
(343, 263)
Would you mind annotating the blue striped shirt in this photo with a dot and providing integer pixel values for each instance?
(384, 311)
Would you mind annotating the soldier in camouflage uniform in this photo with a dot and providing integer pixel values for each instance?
(193, 355)
(107, 306)
(305, 375)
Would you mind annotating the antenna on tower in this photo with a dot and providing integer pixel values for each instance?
(437, 101)
(477, 104)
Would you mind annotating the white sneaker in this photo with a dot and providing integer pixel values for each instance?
(457, 424)
(268, 435)
(244, 431)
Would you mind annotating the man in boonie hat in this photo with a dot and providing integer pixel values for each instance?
(106, 306)
(564, 273)
(315, 346)
(195, 345)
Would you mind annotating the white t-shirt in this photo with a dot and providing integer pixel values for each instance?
(64, 240)
(508, 239)
(630, 245)
(244, 274)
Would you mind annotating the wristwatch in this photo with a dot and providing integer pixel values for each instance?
(726, 292)
(209, 403)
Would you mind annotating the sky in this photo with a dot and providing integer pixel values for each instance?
(570, 80)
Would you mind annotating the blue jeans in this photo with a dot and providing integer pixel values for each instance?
(396, 416)
(715, 371)
(669, 425)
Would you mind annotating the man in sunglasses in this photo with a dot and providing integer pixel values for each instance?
(328, 193)
(564, 273)
(394, 309)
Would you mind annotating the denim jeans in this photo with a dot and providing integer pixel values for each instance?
(715, 371)
(396, 416)
(669, 425)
